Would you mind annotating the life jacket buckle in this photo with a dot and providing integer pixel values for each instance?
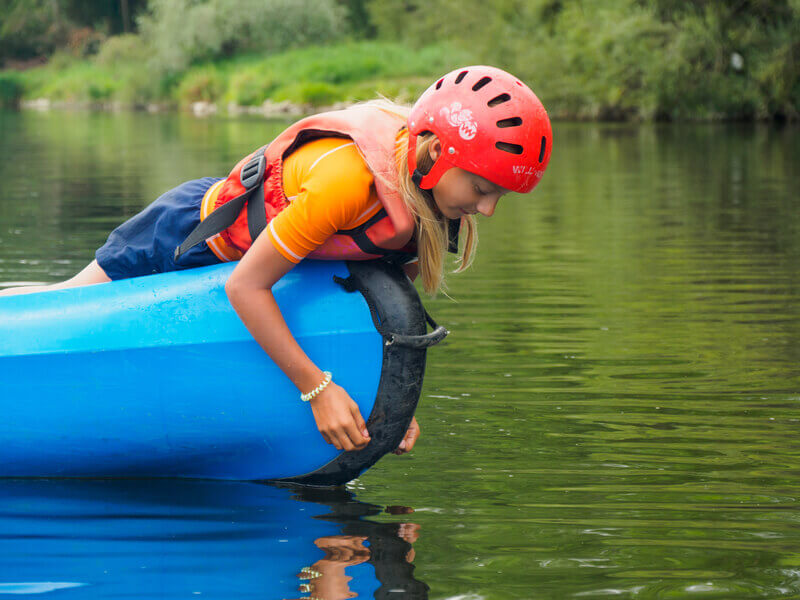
(252, 173)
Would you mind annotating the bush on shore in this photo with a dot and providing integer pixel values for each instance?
(10, 90)
(312, 76)
(185, 32)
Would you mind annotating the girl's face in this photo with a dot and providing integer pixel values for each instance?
(459, 192)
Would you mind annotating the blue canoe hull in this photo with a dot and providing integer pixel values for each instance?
(157, 377)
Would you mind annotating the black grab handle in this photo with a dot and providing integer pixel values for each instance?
(417, 341)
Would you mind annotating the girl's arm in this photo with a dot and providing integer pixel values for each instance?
(249, 290)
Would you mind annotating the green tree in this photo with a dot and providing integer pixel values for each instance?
(625, 58)
(358, 18)
(182, 32)
(36, 28)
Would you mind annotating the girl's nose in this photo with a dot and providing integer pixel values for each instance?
(486, 206)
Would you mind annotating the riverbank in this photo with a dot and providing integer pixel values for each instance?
(287, 84)
(621, 60)
(310, 79)
(268, 109)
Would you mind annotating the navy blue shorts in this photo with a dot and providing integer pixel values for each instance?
(145, 243)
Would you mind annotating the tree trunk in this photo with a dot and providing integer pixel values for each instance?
(126, 18)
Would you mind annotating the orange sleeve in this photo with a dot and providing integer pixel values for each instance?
(329, 188)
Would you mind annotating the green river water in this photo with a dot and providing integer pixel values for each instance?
(616, 412)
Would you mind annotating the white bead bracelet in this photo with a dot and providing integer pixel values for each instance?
(316, 391)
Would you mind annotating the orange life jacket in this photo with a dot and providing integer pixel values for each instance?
(388, 233)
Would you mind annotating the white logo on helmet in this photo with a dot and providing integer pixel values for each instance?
(461, 118)
(527, 170)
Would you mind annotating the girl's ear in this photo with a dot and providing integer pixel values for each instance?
(435, 149)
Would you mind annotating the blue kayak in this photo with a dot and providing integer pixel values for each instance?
(156, 376)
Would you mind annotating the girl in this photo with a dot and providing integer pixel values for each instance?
(376, 180)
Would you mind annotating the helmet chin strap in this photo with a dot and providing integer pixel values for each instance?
(417, 177)
(428, 180)
(453, 225)
(425, 181)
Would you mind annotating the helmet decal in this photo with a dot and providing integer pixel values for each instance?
(461, 118)
(527, 170)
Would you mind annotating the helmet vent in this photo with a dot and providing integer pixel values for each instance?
(512, 148)
(499, 100)
(461, 76)
(439, 83)
(542, 148)
(481, 82)
(512, 122)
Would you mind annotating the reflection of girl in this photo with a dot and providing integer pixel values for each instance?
(327, 577)
(371, 181)
(368, 558)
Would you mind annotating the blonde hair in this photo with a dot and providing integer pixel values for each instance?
(431, 225)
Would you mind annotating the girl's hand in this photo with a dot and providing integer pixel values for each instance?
(339, 420)
(410, 438)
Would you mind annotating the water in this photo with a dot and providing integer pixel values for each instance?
(616, 413)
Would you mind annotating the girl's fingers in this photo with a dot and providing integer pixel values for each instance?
(339, 419)
(409, 439)
(334, 440)
(355, 437)
(415, 431)
(403, 447)
(345, 442)
(362, 426)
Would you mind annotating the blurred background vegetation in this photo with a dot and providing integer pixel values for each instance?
(587, 59)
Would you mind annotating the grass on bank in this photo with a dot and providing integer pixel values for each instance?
(316, 76)
(613, 68)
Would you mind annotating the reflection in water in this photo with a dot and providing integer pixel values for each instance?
(36, 587)
(327, 577)
(386, 546)
(170, 539)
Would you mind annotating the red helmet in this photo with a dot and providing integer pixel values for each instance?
(489, 123)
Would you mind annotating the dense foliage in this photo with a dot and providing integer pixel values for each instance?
(30, 29)
(627, 58)
(608, 59)
(183, 32)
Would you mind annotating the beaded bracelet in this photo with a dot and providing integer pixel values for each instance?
(316, 391)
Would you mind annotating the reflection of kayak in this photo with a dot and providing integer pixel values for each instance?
(157, 377)
(177, 539)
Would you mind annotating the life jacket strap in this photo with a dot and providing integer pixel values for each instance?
(222, 217)
(453, 229)
(252, 178)
(362, 240)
